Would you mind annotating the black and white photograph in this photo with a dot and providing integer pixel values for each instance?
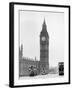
(41, 44)
(41, 50)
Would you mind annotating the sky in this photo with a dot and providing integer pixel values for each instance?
(30, 27)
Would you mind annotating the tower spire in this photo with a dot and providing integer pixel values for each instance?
(44, 29)
(44, 26)
(44, 22)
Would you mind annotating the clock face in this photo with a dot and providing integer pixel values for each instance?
(43, 38)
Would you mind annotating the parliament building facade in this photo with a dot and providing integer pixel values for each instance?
(40, 67)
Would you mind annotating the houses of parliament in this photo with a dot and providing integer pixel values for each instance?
(40, 67)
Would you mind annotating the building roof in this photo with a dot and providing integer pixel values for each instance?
(29, 61)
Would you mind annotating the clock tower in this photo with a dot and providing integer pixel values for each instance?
(44, 50)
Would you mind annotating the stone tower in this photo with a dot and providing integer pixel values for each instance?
(44, 50)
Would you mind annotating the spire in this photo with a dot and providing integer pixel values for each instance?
(44, 24)
(35, 58)
(44, 29)
(21, 51)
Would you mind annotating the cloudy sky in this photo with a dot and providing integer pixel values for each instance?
(30, 28)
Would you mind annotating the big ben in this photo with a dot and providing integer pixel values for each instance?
(44, 50)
